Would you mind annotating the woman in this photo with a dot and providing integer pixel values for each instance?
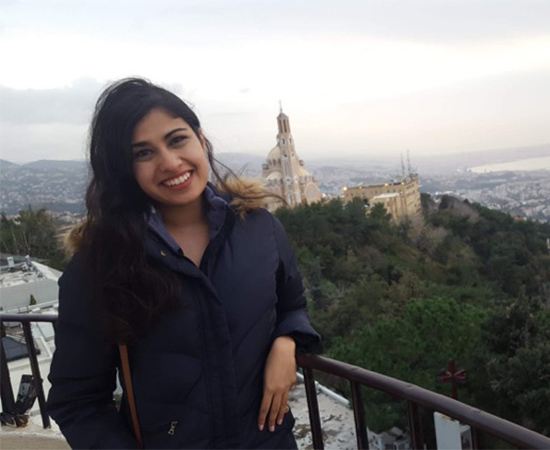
(200, 283)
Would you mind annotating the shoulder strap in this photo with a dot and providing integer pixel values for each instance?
(129, 391)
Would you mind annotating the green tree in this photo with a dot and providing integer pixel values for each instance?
(517, 362)
(403, 300)
(413, 348)
(33, 233)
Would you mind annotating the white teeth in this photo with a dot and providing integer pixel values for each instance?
(178, 180)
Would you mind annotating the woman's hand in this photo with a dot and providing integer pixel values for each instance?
(279, 377)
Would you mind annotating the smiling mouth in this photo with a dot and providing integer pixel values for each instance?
(179, 180)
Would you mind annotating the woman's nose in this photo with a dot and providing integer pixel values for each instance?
(169, 160)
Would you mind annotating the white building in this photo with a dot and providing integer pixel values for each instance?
(284, 173)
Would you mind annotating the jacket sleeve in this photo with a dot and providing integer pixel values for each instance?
(292, 315)
(83, 372)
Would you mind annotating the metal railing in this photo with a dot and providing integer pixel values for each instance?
(415, 397)
(6, 390)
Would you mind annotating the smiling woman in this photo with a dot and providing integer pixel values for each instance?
(197, 281)
(170, 162)
(171, 168)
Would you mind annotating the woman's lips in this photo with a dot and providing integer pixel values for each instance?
(178, 181)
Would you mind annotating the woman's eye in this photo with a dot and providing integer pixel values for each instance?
(142, 154)
(177, 140)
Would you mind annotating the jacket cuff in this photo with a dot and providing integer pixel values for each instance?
(306, 338)
(306, 343)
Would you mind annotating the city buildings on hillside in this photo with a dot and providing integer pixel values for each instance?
(400, 198)
(284, 173)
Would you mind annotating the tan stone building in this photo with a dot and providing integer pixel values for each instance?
(401, 198)
(284, 173)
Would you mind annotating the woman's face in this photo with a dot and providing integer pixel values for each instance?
(170, 163)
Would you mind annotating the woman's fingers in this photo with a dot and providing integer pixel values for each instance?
(283, 409)
(273, 409)
(264, 410)
(279, 377)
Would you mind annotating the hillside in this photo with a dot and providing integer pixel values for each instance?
(56, 185)
(60, 185)
(46, 164)
(6, 165)
(463, 283)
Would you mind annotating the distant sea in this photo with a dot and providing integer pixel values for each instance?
(521, 164)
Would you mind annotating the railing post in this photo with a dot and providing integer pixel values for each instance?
(6, 390)
(477, 438)
(415, 425)
(313, 409)
(359, 415)
(35, 368)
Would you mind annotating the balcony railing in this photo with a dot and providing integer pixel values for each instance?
(415, 397)
(6, 390)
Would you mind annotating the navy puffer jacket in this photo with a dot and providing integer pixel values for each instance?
(198, 376)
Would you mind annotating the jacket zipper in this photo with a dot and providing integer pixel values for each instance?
(173, 426)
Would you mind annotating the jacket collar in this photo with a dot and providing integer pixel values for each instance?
(217, 208)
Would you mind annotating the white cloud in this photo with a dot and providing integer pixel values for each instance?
(25, 143)
(352, 75)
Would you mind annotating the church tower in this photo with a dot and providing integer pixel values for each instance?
(289, 161)
(284, 173)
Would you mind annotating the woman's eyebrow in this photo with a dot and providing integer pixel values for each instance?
(166, 136)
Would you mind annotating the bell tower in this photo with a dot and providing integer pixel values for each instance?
(284, 173)
(289, 161)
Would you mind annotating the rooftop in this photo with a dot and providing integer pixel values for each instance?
(21, 278)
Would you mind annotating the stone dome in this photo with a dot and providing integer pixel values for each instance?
(275, 176)
(275, 153)
(303, 172)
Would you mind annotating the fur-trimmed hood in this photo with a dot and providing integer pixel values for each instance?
(244, 194)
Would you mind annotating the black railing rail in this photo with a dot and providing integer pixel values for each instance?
(415, 397)
(6, 390)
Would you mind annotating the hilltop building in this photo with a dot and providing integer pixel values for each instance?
(284, 173)
(400, 198)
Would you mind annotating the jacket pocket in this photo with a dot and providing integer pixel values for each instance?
(282, 437)
(174, 426)
(166, 427)
(165, 435)
(166, 378)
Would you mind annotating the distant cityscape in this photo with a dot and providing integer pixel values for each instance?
(59, 186)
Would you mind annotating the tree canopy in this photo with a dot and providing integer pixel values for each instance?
(462, 282)
(33, 233)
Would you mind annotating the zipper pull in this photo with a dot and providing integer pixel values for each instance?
(173, 426)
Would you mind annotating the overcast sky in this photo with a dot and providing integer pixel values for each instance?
(369, 77)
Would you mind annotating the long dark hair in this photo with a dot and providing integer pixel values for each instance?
(131, 291)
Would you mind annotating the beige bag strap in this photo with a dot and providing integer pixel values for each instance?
(129, 391)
